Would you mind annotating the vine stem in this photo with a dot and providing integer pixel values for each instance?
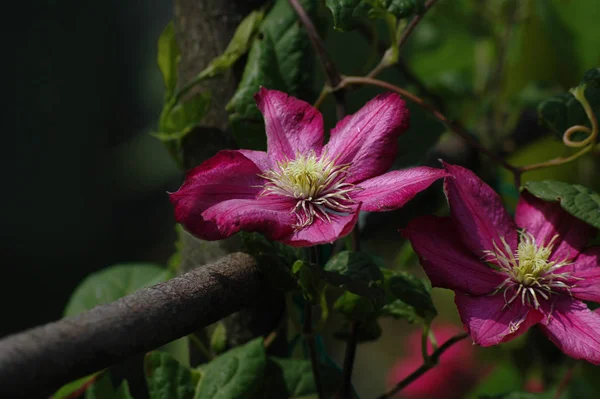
(349, 358)
(564, 383)
(435, 356)
(312, 348)
(454, 126)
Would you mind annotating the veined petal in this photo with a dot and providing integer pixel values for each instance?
(489, 322)
(270, 216)
(228, 175)
(544, 220)
(292, 125)
(368, 138)
(585, 271)
(324, 231)
(446, 260)
(260, 158)
(480, 217)
(575, 329)
(393, 189)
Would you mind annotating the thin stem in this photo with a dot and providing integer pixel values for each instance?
(564, 383)
(555, 161)
(200, 346)
(454, 126)
(424, 368)
(333, 76)
(312, 348)
(350, 355)
(413, 24)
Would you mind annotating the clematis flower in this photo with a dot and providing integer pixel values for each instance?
(456, 373)
(300, 191)
(509, 275)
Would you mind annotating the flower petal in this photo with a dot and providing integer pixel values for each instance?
(260, 158)
(575, 329)
(226, 176)
(322, 232)
(291, 125)
(480, 217)
(490, 322)
(544, 220)
(446, 260)
(586, 272)
(269, 215)
(393, 189)
(368, 138)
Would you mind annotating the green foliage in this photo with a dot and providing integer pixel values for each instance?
(577, 200)
(280, 58)
(409, 298)
(347, 14)
(562, 111)
(274, 259)
(104, 389)
(167, 378)
(218, 339)
(297, 376)
(168, 56)
(112, 283)
(358, 273)
(237, 374)
(68, 390)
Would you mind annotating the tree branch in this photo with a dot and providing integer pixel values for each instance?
(36, 362)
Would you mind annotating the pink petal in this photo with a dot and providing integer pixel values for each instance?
(368, 138)
(574, 329)
(322, 232)
(480, 217)
(446, 260)
(260, 158)
(393, 189)
(292, 125)
(544, 220)
(268, 215)
(490, 322)
(225, 176)
(586, 272)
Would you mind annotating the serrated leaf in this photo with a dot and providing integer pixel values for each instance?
(167, 378)
(236, 374)
(280, 58)
(168, 58)
(413, 292)
(577, 200)
(218, 339)
(112, 283)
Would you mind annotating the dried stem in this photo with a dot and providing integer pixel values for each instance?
(424, 368)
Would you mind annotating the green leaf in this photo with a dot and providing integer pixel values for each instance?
(297, 375)
(179, 350)
(413, 292)
(79, 385)
(112, 283)
(280, 58)
(177, 122)
(168, 58)
(237, 374)
(238, 46)
(218, 339)
(577, 200)
(274, 259)
(401, 311)
(101, 389)
(167, 378)
(347, 14)
(123, 391)
(355, 307)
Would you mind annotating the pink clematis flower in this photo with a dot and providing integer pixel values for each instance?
(457, 372)
(300, 191)
(510, 275)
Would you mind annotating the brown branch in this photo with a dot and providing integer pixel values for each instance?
(433, 359)
(333, 76)
(38, 361)
(413, 24)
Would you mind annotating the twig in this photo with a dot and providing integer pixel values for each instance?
(413, 24)
(333, 76)
(349, 357)
(36, 362)
(434, 358)
(312, 348)
(454, 126)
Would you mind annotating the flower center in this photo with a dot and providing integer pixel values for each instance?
(529, 272)
(316, 183)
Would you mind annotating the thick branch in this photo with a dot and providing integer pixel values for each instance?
(36, 362)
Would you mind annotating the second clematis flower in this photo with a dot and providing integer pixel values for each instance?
(302, 192)
(509, 275)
